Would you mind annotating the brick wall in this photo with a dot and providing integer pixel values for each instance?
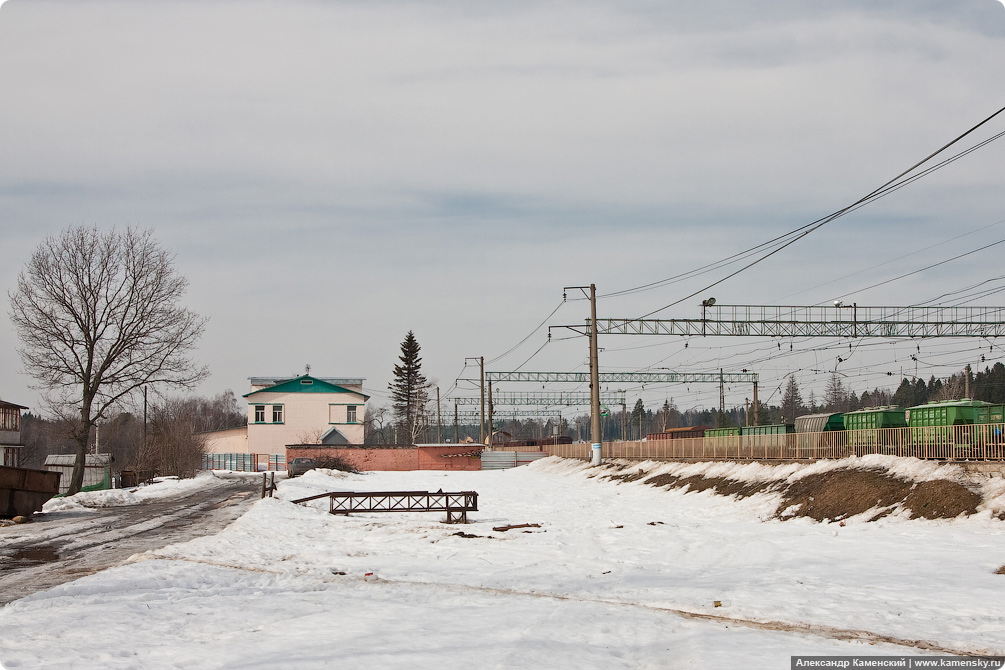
(385, 458)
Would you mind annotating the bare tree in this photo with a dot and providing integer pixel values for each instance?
(98, 318)
(175, 447)
(311, 436)
(375, 425)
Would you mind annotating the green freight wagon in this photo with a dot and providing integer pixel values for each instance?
(773, 429)
(944, 413)
(767, 441)
(722, 442)
(944, 429)
(990, 414)
(887, 416)
(989, 431)
(722, 432)
(870, 430)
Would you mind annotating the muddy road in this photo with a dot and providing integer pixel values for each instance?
(63, 546)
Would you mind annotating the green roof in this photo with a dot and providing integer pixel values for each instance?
(306, 384)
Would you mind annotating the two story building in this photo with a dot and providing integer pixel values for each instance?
(10, 432)
(304, 410)
(289, 410)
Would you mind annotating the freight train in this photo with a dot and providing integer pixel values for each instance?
(938, 429)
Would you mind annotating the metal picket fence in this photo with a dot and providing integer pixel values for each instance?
(983, 442)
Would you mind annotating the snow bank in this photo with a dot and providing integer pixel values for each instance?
(162, 487)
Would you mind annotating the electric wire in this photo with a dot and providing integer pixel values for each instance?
(888, 187)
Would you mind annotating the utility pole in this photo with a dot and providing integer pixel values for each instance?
(490, 418)
(722, 394)
(481, 367)
(481, 364)
(755, 404)
(457, 430)
(439, 439)
(624, 420)
(966, 381)
(595, 429)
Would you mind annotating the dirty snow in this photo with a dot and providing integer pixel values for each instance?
(161, 487)
(601, 584)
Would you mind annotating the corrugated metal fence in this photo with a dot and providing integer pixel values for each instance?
(244, 462)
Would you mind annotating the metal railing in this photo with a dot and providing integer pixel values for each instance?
(344, 502)
(982, 442)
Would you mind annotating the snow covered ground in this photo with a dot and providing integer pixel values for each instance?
(607, 581)
(161, 487)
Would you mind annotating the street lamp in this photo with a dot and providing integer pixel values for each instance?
(705, 304)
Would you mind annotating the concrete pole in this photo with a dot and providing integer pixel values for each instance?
(481, 430)
(490, 418)
(755, 404)
(439, 439)
(595, 428)
(457, 429)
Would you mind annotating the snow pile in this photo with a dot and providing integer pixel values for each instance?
(945, 482)
(161, 487)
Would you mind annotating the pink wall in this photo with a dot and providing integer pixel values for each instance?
(408, 458)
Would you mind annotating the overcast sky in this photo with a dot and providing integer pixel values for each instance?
(331, 175)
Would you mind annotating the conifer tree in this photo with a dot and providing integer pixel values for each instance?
(409, 390)
(792, 401)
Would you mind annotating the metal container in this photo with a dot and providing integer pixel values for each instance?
(24, 491)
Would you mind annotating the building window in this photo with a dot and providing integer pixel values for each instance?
(259, 413)
(350, 414)
(277, 414)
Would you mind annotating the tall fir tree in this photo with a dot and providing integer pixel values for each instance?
(792, 401)
(409, 390)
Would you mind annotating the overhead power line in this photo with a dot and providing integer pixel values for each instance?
(781, 242)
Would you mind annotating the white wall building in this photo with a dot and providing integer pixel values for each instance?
(304, 410)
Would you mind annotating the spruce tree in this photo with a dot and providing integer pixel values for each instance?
(409, 389)
(792, 401)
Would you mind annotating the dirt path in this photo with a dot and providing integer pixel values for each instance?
(62, 547)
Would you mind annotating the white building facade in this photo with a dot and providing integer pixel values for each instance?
(304, 410)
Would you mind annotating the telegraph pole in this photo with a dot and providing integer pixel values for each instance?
(438, 422)
(481, 367)
(457, 433)
(481, 364)
(490, 418)
(722, 394)
(595, 429)
(596, 434)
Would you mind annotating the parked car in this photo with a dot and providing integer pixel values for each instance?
(299, 466)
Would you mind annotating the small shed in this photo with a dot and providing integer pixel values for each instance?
(97, 471)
